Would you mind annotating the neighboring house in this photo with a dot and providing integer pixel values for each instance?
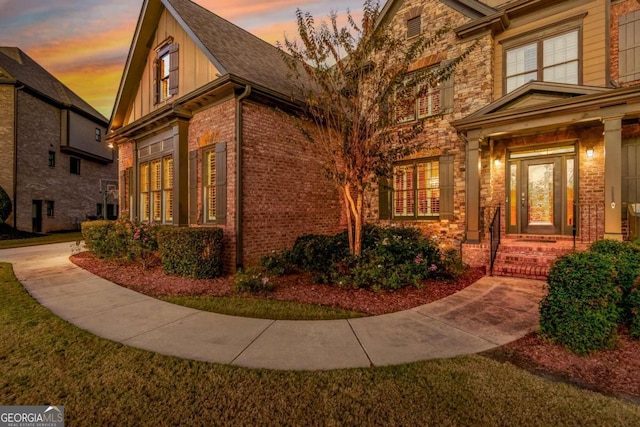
(542, 123)
(54, 162)
(205, 126)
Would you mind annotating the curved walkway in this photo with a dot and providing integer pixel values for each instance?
(489, 313)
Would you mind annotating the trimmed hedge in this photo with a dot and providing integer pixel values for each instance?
(102, 238)
(581, 309)
(191, 252)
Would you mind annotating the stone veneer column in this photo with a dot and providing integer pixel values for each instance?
(613, 177)
(473, 188)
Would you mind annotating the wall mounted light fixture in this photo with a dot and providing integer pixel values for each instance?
(590, 152)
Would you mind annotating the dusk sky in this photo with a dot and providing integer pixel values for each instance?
(84, 43)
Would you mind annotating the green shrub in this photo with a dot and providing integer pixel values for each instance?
(191, 252)
(452, 265)
(634, 310)
(101, 238)
(278, 263)
(5, 205)
(626, 261)
(580, 310)
(320, 254)
(253, 281)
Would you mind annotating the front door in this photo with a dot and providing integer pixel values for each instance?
(541, 196)
(36, 216)
(540, 191)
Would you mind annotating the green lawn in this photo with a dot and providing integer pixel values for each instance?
(263, 308)
(46, 360)
(42, 240)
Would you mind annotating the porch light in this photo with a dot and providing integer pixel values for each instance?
(497, 162)
(590, 152)
(110, 145)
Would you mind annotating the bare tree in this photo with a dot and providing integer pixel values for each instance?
(351, 79)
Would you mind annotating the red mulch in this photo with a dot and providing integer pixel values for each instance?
(296, 287)
(614, 372)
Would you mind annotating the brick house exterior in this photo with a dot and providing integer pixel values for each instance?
(55, 164)
(207, 133)
(544, 125)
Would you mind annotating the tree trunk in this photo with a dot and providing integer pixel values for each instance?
(354, 219)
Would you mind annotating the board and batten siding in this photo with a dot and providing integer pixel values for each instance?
(594, 25)
(195, 69)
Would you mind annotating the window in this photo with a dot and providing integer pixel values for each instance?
(156, 190)
(98, 134)
(166, 72)
(52, 159)
(50, 208)
(209, 185)
(74, 165)
(417, 102)
(629, 47)
(414, 26)
(416, 189)
(554, 59)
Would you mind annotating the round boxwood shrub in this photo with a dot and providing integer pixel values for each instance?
(5, 205)
(626, 262)
(581, 308)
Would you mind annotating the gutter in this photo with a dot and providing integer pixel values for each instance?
(15, 156)
(239, 140)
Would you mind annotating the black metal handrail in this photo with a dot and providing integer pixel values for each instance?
(494, 237)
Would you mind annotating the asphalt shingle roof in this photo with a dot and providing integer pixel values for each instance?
(28, 72)
(239, 52)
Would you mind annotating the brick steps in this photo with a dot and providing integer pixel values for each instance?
(529, 258)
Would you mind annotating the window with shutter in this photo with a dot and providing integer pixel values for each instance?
(144, 192)
(414, 26)
(418, 102)
(166, 72)
(417, 190)
(167, 188)
(210, 185)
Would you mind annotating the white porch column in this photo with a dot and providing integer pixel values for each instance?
(613, 177)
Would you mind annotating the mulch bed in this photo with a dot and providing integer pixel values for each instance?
(154, 282)
(614, 372)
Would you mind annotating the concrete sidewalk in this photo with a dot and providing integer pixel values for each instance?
(489, 313)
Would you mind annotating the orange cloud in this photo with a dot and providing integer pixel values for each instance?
(96, 85)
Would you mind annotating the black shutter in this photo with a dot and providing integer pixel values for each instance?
(156, 81)
(384, 199)
(446, 90)
(173, 69)
(446, 187)
(193, 187)
(221, 183)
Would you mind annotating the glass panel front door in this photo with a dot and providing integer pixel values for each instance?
(538, 195)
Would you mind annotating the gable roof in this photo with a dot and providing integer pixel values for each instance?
(473, 9)
(233, 51)
(18, 68)
(545, 92)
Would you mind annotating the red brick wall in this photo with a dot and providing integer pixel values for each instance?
(213, 125)
(285, 191)
(617, 10)
(590, 174)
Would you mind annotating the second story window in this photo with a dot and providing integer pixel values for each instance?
(418, 101)
(98, 134)
(629, 47)
(553, 59)
(52, 159)
(166, 72)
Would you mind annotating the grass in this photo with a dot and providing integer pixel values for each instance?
(72, 236)
(263, 308)
(44, 359)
